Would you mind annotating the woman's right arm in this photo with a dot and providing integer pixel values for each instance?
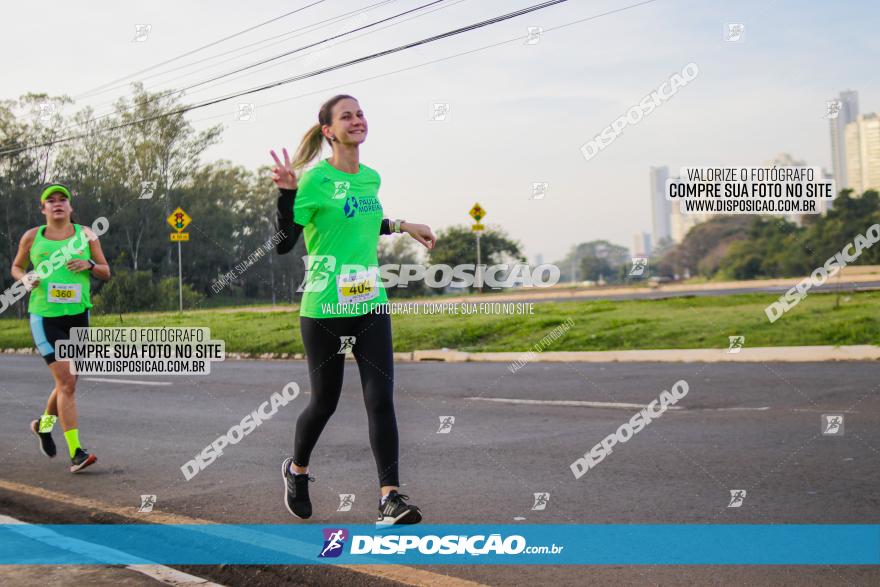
(285, 179)
(22, 258)
(285, 222)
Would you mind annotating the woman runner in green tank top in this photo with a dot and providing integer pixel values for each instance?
(64, 256)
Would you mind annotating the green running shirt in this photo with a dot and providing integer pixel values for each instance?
(63, 292)
(341, 215)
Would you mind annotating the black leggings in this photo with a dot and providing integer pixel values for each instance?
(324, 338)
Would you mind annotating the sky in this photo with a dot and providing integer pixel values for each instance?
(518, 113)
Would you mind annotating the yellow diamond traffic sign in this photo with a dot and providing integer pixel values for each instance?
(179, 219)
(477, 212)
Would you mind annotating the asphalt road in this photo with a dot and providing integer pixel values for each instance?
(744, 426)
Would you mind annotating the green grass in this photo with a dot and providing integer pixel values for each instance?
(684, 322)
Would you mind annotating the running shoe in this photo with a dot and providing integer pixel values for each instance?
(81, 459)
(296, 491)
(46, 444)
(396, 511)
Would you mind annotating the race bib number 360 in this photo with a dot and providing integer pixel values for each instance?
(358, 287)
(65, 293)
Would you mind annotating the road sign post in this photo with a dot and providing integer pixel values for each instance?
(178, 221)
(477, 213)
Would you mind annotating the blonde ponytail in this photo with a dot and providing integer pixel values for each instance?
(310, 146)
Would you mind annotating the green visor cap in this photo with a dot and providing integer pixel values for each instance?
(51, 189)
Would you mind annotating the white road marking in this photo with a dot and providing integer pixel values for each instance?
(564, 402)
(171, 576)
(88, 550)
(129, 381)
(613, 405)
(737, 409)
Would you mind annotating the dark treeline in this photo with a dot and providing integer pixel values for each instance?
(112, 172)
(753, 247)
(737, 247)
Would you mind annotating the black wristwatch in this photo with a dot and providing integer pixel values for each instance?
(92, 263)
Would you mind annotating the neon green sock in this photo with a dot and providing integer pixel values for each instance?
(72, 438)
(47, 422)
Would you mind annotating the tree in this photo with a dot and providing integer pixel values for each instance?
(593, 268)
(401, 250)
(774, 247)
(158, 145)
(604, 257)
(457, 245)
(704, 247)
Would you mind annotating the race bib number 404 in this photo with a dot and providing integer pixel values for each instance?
(358, 287)
(65, 293)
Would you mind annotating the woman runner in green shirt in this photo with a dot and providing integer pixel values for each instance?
(64, 255)
(335, 205)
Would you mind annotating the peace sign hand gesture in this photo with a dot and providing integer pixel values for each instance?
(282, 173)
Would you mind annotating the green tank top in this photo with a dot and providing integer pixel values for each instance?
(341, 215)
(63, 292)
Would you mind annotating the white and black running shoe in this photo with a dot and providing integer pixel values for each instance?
(296, 491)
(81, 459)
(46, 444)
(396, 511)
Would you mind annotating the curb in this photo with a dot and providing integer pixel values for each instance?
(795, 354)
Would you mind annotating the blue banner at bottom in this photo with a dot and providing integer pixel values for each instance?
(570, 544)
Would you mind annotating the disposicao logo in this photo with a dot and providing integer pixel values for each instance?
(334, 542)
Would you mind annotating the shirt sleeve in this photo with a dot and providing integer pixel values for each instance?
(307, 199)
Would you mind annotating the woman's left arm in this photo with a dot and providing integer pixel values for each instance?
(420, 232)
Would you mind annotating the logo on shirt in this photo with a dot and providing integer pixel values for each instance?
(361, 205)
(351, 206)
(341, 189)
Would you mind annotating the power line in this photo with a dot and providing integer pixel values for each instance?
(74, 126)
(311, 53)
(191, 52)
(265, 87)
(297, 50)
(285, 54)
(370, 57)
(440, 60)
(289, 34)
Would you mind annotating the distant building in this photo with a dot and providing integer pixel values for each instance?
(786, 160)
(682, 223)
(660, 206)
(848, 111)
(863, 153)
(641, 244)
